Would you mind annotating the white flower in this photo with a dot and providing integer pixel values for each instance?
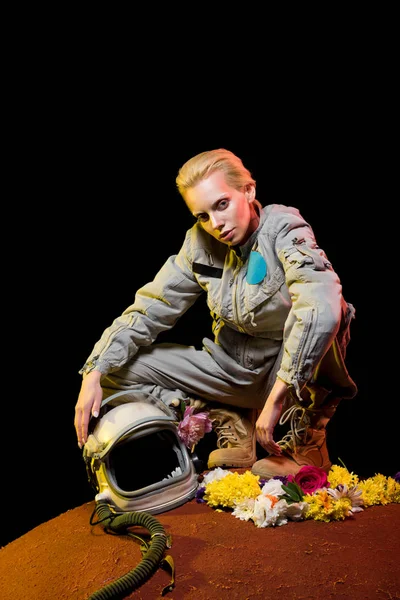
(273, 487)
(354, 494)
(215, 475)
(244, 510)
(266, 515)
(295, 511)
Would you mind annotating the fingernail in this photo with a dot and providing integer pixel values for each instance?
(80, 446)
(95, 414)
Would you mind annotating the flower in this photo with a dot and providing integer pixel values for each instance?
(244, 510)
(380, 490)
(354, 494)
(274, 502)
(268, 513)
(214, 475)
(193, 427)
(200, 494)
(340, 475)
(393, 490)
(296, 511)
(397, 477)
(322, 507)
(272, 487)
(284, 478)
(231, 489)
(311, 478)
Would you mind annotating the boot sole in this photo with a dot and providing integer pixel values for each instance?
(270, 474)
(238, 464)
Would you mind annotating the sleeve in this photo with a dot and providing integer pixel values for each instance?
(316, 295)
(157, 307)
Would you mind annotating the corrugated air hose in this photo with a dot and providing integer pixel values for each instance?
(152, 552)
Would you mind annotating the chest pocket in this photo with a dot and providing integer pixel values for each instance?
(256, 294)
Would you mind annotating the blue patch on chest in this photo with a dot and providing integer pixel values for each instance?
(257, 268)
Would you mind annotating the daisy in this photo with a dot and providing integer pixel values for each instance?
(354, 494)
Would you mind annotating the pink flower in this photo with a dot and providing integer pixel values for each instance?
(311, 478)
(193, 427)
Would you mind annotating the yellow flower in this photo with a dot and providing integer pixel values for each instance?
(354, 495)
(232, 489)
(323, 507)
(379, 490)
(341, 476)
(393, 490)
(267, 506)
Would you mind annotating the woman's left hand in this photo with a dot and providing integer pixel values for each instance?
(269, 417)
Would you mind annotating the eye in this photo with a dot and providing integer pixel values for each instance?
(202, 218)
(223, 204)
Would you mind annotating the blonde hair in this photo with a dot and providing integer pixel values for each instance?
(202, 165)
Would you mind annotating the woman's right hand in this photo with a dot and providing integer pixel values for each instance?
(89, 403)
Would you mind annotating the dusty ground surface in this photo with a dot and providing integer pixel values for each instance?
(215, 555)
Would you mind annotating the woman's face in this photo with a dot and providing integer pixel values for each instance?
(224, 212)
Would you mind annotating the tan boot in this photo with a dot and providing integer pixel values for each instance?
(236, 438)
(304, 444)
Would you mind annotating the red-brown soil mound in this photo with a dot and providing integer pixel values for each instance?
(216, 556)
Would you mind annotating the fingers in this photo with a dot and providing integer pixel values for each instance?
(81, 423)
(266, 440)
(274, 448)
(96, 407)
(265, 426)
(82, 418)
(83, 428)
(88, 404)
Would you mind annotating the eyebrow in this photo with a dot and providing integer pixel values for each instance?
(213, 205)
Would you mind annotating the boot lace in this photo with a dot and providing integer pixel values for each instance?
(299, 422)
(224, 435)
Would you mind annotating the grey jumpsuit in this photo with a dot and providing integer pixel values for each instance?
(277, 310)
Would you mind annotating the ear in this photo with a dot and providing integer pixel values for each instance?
(250, 192)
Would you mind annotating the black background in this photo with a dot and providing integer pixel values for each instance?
(95, 214)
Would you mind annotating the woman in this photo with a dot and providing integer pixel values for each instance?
(280, 325)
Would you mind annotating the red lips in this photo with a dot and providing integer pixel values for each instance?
(225, 234)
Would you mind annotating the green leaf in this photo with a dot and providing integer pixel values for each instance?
(182, 408)
(288, 499)
(290, 493)
(293, 491)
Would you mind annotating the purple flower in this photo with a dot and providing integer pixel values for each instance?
(193, 427)
(285, 479)
(263, 480)
(397, 477)
(200, 494)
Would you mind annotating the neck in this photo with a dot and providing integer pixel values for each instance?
(255, 219)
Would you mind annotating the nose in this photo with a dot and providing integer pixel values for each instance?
(215, 221)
